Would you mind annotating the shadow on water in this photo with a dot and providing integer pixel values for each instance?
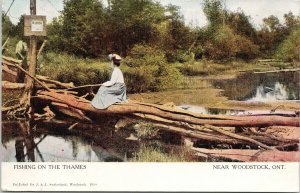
(261, 87)
(28, 141)
(70, 141)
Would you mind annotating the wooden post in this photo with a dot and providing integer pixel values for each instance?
(32, 61)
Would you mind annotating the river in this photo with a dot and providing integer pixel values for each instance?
(26, 140)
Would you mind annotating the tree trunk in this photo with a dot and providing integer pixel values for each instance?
(174, 115)
(25, 99)
(251, 155)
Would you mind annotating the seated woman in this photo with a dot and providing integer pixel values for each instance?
(113, 91)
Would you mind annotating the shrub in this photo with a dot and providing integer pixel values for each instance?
(246, 48)
(289, 49)
(67, 68)
(202, 68)
(147, 70)
(225, 44)
(156, 154)
(179, 56)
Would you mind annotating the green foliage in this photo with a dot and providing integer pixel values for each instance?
(19, 29)
(10, 47)
(55, 35)
(214, 12)
(178, 36)
(223, 45)
(273, 33)
(145, 130)
(90, 29)
(134, 22)
(181, 56)
(227, 45)
(7, 27)
(76, 70)
(246, 48)
(289, 49)
(156, 154)
(226, 42)
(147, 69)
(202, 68)
(239, 22)
(81, 28)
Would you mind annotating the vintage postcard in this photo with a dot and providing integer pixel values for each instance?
(150, 95)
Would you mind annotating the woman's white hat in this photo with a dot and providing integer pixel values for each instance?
(114, 57)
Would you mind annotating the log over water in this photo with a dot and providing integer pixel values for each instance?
(170, 114)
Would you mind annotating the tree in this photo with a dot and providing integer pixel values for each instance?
(291, 21)
(239, 22)
(289, 49)
(271, 23)
(213, 12)
(82, 27)
(55, 35)
(148, 67)
(271, 35)
(19, 28)
(133, 22)
(179, 35)
(7, 27)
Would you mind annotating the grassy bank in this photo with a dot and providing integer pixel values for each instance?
(80, 71)
(205, 68)
(150, 153)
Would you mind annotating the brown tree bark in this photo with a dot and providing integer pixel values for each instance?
(132, 108)
(251, 155)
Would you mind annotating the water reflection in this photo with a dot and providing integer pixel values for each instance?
(279, 92)
(212, 111)
(261, 87)
(48, 141)
(218, 111)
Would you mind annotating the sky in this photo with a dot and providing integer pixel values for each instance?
(191, 9)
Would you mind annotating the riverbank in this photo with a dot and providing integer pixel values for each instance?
(203, 91)
(192, 90)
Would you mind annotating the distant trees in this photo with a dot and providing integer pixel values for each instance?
(79, 29)
(88, 28)
(214, 13)
(289, 50)
(7, 27)
(229, 34)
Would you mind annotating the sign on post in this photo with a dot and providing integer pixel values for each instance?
(34, 25)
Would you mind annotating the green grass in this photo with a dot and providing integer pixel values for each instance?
(68, 68)
(155, 154)
(198, 68)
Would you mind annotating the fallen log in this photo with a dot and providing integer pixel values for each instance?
(6, 85)
(6, 58)
(251, 155)
(65, 109)
(132, 108)
(12, 86)
(243, 138)
(32, 77)
(7, 70)
(275, 71)
(57, 83)
(16, 64)
(227, 132)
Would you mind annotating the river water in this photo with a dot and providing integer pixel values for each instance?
(67, 140)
